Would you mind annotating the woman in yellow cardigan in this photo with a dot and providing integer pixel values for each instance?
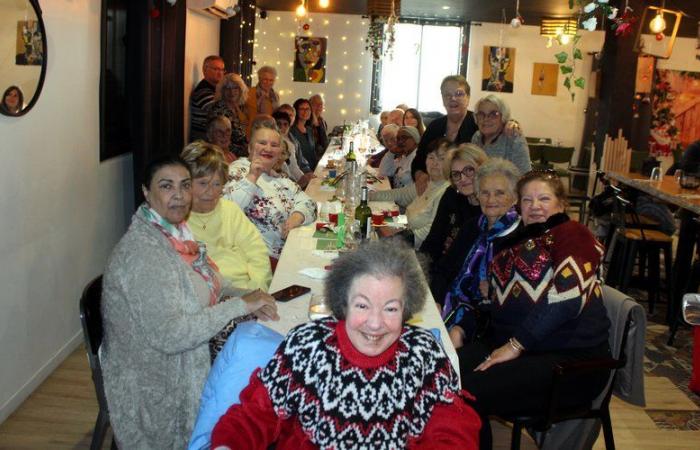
(233, 242)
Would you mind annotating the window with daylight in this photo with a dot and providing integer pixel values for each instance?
(422, 56)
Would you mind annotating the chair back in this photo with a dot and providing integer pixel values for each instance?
(91, 320)
(91, 315)
(557, 155)
(627, 318)
(538, 140)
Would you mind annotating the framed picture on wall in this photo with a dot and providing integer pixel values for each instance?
(545, 79)
(30, 49)
(499, 68)
(310, 59)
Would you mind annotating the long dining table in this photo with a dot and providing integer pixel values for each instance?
(300, 256)
(668, 190)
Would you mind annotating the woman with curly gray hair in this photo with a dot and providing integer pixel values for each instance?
(360, 378)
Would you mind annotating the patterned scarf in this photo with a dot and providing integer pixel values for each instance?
(260, 97)
(192, 252)
(464, 292)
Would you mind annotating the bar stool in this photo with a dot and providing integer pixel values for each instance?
(629, 244)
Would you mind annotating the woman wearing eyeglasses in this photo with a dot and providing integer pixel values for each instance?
(458, 204)
(460, 280)
(546, 308)
(492, 115)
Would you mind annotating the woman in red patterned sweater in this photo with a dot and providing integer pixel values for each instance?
(546, 308)
(363, 379)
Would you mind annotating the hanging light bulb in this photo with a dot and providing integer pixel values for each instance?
(301, 9)
(323, 3)
(657, 24)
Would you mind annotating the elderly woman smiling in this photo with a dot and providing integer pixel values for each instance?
(492, 115)
(546, 309)
(273, 203)
(458, 204)
(233, 242)
(162, 303)
(475, 246)
(363, 379)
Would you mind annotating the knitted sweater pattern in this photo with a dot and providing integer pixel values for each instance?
(341, 405)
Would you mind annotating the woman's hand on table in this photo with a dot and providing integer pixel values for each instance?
(261, 304)
(295, 220)
(504, 353)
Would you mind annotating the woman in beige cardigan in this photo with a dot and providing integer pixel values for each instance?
(163, 301)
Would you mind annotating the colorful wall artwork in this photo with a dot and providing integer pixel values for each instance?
(499, 67)
(310, 59)
(545, 79)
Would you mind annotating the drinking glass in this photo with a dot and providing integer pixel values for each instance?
(318, 307)
(655, 174)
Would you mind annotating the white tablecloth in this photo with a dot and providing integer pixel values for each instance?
(300, 252)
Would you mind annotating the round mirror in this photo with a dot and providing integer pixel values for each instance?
(22, 55)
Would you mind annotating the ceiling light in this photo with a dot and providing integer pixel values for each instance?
(301, 10)
(556, 27)
(445, 7)
(657, 24)
(323, 3)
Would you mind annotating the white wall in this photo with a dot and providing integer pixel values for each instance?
(556, 117)
(201, 40)
(683, 56)
(348, 67)
(62, 210)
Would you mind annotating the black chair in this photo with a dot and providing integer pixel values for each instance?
(636, 242)
(91, 320)
(598, 408)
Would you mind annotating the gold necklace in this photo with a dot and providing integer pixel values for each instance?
(204, 222)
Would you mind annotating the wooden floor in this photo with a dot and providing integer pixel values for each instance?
(60, 414)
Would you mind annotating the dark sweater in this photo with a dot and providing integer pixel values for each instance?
(436, 130)
(202, 96)
(453, 212)
(446, 268)
(545, 288)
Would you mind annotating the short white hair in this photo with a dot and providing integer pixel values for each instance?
(499, 103)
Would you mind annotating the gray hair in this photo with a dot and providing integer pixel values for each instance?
(495, 167)
(385, 258)
(218, 123)
(390, 128)
(459, 79)
(471, 153)
(229, 79)
(498, 102)
(267, 69)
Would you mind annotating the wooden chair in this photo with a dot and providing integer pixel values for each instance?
(616, 154)
(91, 320)
(600, 407)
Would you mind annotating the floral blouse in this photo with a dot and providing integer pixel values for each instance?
(268, 203)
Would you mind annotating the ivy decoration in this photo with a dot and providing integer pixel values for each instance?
(589, 13)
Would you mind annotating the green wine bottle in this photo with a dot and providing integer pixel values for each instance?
(351, 153)
(363, 215)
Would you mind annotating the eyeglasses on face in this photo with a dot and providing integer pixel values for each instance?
(467, 172)
(455, 94)
(493, 115)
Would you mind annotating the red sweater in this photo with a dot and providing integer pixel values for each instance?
(438, 409)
